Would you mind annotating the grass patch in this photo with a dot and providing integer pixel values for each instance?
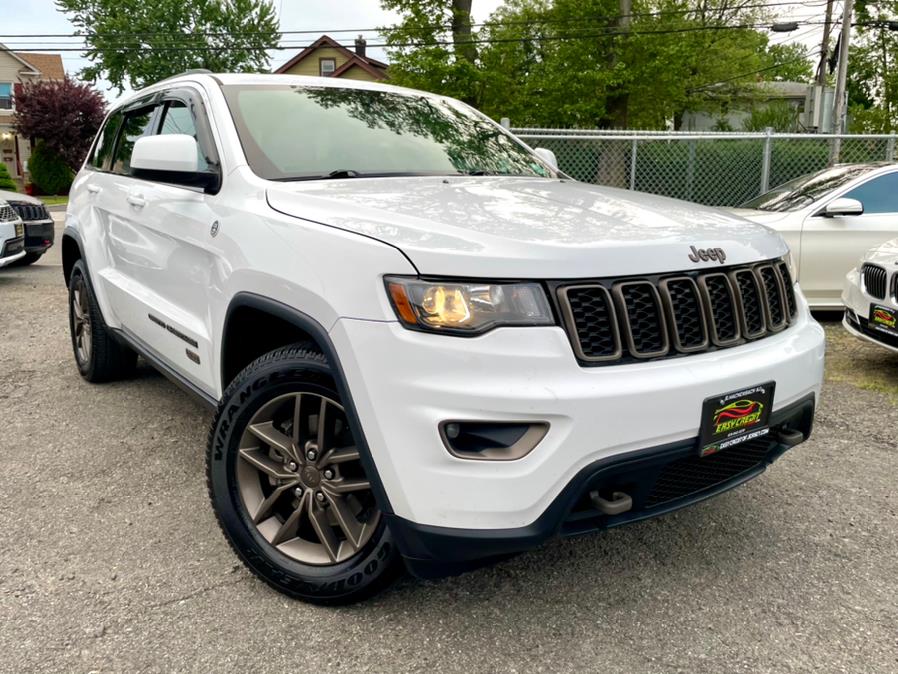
(55, 199)
(857, 362)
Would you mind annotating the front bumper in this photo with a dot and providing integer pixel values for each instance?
(11, 250)
(39, 236)
(404, 383)
(660, 480)
(857, 313)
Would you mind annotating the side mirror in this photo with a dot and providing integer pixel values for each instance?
(547, 156)
(843, 206)
(172, 158)
(176, 152)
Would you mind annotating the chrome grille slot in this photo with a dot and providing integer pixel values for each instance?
(643, 324)
(773, 295)
(874, 278)
(751, 304)
(591, 322)
(684, 311)
(720, 303)
(788, 288)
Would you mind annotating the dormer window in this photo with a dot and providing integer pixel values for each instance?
(326, 67)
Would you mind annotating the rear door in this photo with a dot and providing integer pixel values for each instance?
(832, 246)
(159, 237)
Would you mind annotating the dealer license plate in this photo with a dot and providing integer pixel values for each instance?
(884, 319)
(733, 418)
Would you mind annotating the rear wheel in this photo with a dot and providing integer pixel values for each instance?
(288, 486)
(98, 355)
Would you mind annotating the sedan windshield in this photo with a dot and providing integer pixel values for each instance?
(311, 133)
(800, 192)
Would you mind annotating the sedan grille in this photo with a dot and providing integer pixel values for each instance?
(616, 320)
(30, 212)
(874, 280)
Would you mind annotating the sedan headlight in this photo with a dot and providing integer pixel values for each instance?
(458, 307)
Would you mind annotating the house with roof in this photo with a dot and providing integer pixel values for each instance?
(328, 58)
(14, 70)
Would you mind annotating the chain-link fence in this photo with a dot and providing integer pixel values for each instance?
(719, 169)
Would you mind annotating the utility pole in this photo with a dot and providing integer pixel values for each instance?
(841, 77)
(824, 44)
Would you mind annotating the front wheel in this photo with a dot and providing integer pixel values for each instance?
(288, 487)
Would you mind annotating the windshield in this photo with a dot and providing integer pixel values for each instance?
(304, 133)
(800, 192)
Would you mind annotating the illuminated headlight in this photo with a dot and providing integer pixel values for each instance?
(467, 307)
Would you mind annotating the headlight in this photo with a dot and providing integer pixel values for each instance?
(467, 307)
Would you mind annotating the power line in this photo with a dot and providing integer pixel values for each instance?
(805, 57)
(381, 29)
(425, 43)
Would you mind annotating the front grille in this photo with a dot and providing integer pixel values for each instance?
(613, 320)
(694, 473)
(7, 214)
(874, 278)
(30, 212)
(895, 287)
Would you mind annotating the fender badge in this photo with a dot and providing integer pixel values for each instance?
(705, 254)
(214, 230)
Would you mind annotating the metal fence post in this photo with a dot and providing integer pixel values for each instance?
(765, 161)
(505, 122)
(633, 164)
(690, 170)
(890, 148)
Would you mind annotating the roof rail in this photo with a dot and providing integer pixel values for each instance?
(192, 71)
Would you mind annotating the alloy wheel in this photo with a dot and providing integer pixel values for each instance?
(81, 325)
(301, 480)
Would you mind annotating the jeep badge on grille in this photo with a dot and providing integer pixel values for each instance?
(705, 254)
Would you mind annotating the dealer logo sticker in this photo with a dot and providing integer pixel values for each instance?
(740, 414)
(884, 317)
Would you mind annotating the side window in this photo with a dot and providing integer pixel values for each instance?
(105, 141)
(136, 124)
(178, 119)
(879, 195)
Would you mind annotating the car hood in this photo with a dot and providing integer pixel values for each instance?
(510, 227)
(16, 196)
(767, 218)
(885, 254)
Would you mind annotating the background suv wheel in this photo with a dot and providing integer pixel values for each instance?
(288, 486)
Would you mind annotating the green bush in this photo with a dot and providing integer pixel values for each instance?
(6, 181)
(49, 172)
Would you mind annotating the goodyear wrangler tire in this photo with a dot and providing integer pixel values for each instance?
(288, 487)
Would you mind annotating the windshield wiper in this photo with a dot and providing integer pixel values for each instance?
(344, 173)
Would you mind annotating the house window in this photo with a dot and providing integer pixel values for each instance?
(326, 67)
(5, 96)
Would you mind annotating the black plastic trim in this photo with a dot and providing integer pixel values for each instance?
(323, 341)
(433, 552)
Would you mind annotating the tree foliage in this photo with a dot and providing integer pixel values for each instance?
(6, 181)
(64, 114)
(872, 75)
(49, 171)
(136, 43)
(570, 62)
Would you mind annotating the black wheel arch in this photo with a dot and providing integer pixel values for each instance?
(319, 336)
(72, 251)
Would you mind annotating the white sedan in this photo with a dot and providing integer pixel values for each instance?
(830, 219)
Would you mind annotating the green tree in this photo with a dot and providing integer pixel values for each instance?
(49, 171)
(6, 181)
(787, 62)
(575, 63)
(872, 75)
(136, 43)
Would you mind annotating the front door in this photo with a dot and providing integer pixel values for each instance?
(161, 266)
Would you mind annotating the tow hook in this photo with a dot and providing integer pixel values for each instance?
(619, 503)
(789, 437)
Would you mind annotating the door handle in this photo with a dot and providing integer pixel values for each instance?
(136, 200)
(94, 189)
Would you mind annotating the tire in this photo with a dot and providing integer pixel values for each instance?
(287, 485)
(30, 258)
(98, 355)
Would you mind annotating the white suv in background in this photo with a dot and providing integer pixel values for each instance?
(423, 343)
(12, 235)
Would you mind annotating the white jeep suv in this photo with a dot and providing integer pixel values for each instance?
(423, 343)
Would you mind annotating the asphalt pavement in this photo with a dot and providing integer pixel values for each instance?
(111, 559)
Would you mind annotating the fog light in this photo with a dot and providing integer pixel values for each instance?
(492, 440)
